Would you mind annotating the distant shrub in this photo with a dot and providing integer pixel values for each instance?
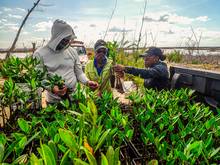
(175, 56)
(195, 62)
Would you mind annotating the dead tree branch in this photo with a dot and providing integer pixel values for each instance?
(142, 23)
(113, 11)
(19, 30)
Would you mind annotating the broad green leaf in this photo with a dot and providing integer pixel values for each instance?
(62, 148)
(210, 123)
(110, 155)
(56, 138)
(34, 160)
(153, 162)
(93, 109)
(44, 130)
(116, 156)
(53, 148)
(102, 139)
(124, 123)
(180, 155)
(170, 128)
(104, 160)
(23, 124)
(78, 161)
(90, 157)
(18, 136)
(161, 126)
(69, 139)
(2, 151)
(213, 153)
(33, 84)
(129, 133)
(10, 149)
(3, 139)
(196, 148)
(47, 155)
(22, 142)
(83, 108)
(208, 140)
(65, 158)
(65, 103)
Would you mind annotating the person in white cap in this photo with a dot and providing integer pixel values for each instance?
(60, 59)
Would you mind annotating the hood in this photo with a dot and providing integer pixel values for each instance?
(59, 31)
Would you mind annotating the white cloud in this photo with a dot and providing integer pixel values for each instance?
(10, 24)
(4, 20)
(15, 16)
(92, 11)
(138, 0)
(0, 12)
(9, 27)
(173, 18)
(25, 33)
(6, 9)
(202, 18)
(43, 26)
(165, 26)
(13, 28)
(21, 9)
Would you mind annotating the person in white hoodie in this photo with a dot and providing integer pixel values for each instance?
(57, 57)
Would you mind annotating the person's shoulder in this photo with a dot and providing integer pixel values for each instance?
(109, 62)
(38, 52)
(90, 62)
(161, 64)
(41, 51)
(72, 50)
(89, 65)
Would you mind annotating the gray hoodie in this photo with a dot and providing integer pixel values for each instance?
(64, 63)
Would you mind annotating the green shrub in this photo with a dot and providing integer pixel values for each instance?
(195, 62)
(176, 128)
(175, 56)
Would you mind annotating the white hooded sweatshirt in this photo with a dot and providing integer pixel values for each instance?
(64, 63)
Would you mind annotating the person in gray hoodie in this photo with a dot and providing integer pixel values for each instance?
(58, 58)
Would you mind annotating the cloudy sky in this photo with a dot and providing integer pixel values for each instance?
(166, 22)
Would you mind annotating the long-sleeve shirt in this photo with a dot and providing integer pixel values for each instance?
(157, 76)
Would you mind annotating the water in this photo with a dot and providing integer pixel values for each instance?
(183, 51)
(189, 52)
(20, 55)
(194, 52)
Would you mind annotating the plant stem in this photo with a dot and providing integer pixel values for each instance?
(206, 160)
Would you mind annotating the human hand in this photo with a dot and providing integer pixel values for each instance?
(120, 74)
(58, 91)
(93, 85)
(119, 68)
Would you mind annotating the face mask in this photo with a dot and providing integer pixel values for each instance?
(64, 44)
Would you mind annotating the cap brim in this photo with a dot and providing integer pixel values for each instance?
(144, 55)
(100, 47)
(73, 37)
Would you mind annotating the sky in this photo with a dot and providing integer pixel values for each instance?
(166, 22)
